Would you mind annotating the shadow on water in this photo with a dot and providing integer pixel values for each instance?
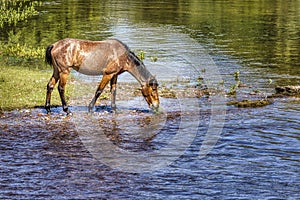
(106, 108)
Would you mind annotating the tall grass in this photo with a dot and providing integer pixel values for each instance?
(13, 11)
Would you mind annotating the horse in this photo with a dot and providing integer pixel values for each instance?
(108, 58)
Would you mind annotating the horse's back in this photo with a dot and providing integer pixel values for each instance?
(86, 56)
(90, 44)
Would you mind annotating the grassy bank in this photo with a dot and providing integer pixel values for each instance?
(21, 87)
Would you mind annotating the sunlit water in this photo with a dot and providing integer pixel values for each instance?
(256, 156)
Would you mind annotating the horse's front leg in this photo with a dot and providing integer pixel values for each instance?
(61, 90)
(102, 84)
(113, 90)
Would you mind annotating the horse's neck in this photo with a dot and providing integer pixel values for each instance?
(141, 73)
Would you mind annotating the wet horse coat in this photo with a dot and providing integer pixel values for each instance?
(108, 58)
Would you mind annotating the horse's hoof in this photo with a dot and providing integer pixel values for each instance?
(90, 109)
(114, 109)
(48, 109)
(67, 111)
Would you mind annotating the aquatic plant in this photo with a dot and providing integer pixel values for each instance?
(236, 75)
(141, 54)
(235, 86)
(153, 58)
(233, 89)
(270, 81)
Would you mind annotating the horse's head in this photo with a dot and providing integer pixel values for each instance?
(150, 93)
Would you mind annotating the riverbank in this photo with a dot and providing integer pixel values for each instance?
(22, 87)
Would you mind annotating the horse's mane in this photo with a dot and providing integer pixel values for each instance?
(135, 59)
(137, 62)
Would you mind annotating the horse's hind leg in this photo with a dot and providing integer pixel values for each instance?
(50, 87)
(113, 90)
(61, 89)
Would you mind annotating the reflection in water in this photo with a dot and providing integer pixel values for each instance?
(260, 34)
(127, 127)
(140, 142)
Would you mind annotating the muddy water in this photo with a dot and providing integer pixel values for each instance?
(196, 147)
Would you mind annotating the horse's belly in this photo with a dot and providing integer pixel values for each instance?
(88, 70)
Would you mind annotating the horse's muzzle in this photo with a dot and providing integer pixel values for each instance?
(155, 106)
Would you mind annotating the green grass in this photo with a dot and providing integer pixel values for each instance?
(21, 87)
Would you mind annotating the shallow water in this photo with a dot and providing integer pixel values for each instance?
(50, 156)
(196, 148)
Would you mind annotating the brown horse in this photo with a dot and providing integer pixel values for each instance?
(108, 58)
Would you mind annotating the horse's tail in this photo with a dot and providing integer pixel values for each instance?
(48, 56)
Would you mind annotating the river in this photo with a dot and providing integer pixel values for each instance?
(196, 148)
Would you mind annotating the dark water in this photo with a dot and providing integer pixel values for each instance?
(257, 153)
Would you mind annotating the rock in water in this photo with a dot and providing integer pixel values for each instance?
(250, 103)
(288, 90)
